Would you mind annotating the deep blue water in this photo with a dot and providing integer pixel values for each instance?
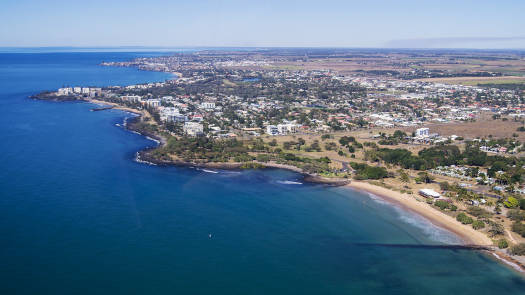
(79, 216)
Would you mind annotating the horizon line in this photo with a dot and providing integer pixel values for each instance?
(251, 47)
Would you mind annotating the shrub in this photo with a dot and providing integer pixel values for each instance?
(518, 249)
(263, 158)
(516, 215)
(345, 140)
(444, 186)
(502, 244)
(478, 212)
(496, 229)
(364, 171)
(464, 218)
(442, 204)
(519, 228)
(478, 224)
(330, 146)
(522, 204)
(453, 207)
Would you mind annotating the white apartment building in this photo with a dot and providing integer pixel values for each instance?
(272, 130)
(171, 114)
(65, 91)
(287, 128)
(131, 98)
(193, 128)
(154, 103)
(422, 132)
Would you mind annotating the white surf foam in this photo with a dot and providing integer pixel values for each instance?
(511, 264)
(288, 182)
(153, 139)
(430, 230)
(139, 160)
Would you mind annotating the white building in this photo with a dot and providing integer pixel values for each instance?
(85, 90)
(287, 128)
(131, 98)
(422, 132)
(193, 128)
(154, 103)
(65, 91)
(77, 89)
(171, 114)
(272, 130)
(208, 105)
(429, 193)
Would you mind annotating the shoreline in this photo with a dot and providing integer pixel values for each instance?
(408, 202)
(143, 156)
(466, 233)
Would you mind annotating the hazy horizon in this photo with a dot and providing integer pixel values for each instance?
(233, 23)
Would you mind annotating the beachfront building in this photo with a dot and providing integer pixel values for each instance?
(131, 98)
(65, 91)
(153, 103)
(429, 193)
(193, 128)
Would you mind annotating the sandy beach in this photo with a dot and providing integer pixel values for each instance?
(466, 232)
(116, 106)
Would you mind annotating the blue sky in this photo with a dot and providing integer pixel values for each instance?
(324, 23)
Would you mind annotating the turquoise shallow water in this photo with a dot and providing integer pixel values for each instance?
(79, 216)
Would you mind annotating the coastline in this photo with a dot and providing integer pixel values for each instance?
(408, 202)
(469, 235)
(144, 156)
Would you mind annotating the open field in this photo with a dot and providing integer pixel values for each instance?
(472, 81)
(483, 127)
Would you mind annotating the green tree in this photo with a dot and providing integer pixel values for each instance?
(403, 176)
(502, 243)
(511, 202)
(464, 218)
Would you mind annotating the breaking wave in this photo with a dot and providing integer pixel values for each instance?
(288, 182)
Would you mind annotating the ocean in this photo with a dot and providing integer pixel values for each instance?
(79, 216)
